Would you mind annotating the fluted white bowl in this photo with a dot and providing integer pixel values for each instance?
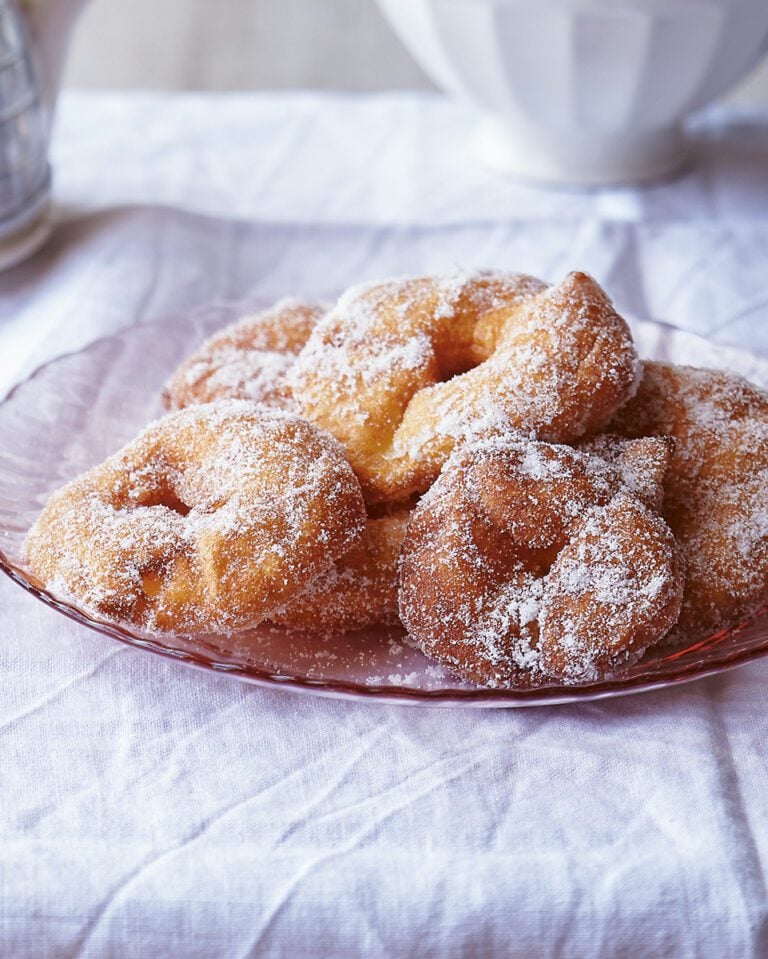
(584, 91)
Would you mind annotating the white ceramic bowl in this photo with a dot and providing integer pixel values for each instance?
(583, 91)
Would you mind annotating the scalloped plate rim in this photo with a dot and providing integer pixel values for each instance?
(480, 697)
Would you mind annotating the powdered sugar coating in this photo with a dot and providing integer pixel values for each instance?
(529, 561)
(402, 371)
(360, 589)
(716, 499)
(248, 360)
(614, 590)
(642, 464)
(210, 519)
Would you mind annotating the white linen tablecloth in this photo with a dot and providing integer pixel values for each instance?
(150, 809)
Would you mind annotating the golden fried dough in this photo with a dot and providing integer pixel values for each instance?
(212, 518)
(529, 562)
(248, 360)
(360, 589)
(402, 371)
(716, 499)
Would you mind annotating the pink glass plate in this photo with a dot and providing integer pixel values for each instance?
(74, 411)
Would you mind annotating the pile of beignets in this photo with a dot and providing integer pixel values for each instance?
(481, 457)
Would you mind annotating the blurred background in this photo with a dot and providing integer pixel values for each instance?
(252, 44)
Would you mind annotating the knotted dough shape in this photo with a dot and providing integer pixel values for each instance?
(528, 563)
(403, 370)
(213, 517)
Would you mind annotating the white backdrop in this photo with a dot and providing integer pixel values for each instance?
(249, 44)
(147, 809)
(239, 44)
